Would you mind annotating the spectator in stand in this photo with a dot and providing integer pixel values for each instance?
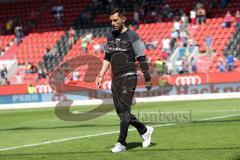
(185, 65)
(201, 16)
(32, 22)
(183, 68)
(4, 71)
(56, 53)
(184, 21)
(31, 89)
(112, 3)
(237, 15)
(174, 37)
(230, 62)
(224, 3)
(84, 43)
(193, 15)
(184, 28)
(227, 20)
(71, 39)
(19, 34)
(208, 44)
(199, 5)
(141, 13)
(153, 14)
(161, 67)
(193, 65)
(85, 16)
(166, 45)
(48, 57)
(41, 74)
(9, 27)
(1, 51)
(191, 42)
(213, 4)
(164, 55)
(1, 29)
(30, 68)
(167, 11)
(159, 16)
(97, 48)
(4, 75)
(19, 78)
(75, 75)
(176, 26)
(152, 43)
(58, 14)
(89, 37)
(59, 17)
(221, 66)
(136, 16)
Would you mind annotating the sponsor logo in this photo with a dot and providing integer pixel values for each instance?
(43, 89)
(188, 80)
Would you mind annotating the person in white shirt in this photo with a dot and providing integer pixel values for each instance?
(166, 44)
(193, 15)
(176, 25)
(89, 37)
(75, 75)
(19, 78)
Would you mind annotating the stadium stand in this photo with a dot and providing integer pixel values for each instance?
(48, 35)
(16, 12)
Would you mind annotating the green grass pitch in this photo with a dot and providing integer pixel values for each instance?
(186, 130)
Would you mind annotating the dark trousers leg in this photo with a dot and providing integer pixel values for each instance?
(123, 92)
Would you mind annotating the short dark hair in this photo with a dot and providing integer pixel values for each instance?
(120, 11)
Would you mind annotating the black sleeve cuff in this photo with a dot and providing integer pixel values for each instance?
(144, 67)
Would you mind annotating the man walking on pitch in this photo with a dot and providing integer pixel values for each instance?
(122, 49)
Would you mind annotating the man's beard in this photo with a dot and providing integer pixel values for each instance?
(116, 32)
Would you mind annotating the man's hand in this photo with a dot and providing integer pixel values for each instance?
(99, 81)
(148, 85)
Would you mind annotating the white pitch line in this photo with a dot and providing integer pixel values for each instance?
(219, 117)
(106, 133)
(142, 112)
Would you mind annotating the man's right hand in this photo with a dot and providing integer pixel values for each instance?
(99, 81)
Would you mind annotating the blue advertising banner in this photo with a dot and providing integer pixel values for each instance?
(5, 99)
(26, 98)
(175, 90)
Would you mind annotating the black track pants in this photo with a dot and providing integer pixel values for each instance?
(123, 90)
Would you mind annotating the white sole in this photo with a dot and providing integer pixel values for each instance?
(151, 131)
(119, 151)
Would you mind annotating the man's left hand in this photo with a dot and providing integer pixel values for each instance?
(148, 85)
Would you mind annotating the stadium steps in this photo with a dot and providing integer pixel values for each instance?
(233, 46)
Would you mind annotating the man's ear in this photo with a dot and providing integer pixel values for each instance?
(124, 19)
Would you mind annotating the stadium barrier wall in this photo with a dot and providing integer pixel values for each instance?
(175, 80)
(208, 96)
(195, 92)
(13, 89)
